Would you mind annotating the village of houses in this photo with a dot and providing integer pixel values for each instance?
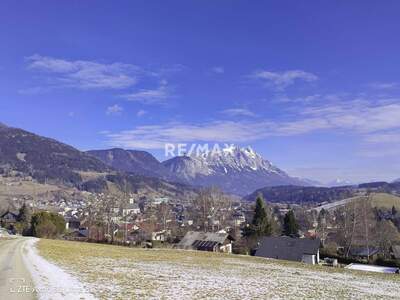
(152, 222)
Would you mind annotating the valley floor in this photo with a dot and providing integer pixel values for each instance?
(124, 273)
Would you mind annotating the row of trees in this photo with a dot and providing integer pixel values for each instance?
(358, 226)
(39, 224)
(264, 224)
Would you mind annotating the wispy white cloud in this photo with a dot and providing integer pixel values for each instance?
(352, 118)
(235, 112)
(390, 137)
(302, 99)
(150, 96)
(141, 113)
(381, 144)
(34, 90)
(85, 74)
(114, 110)
(281, 80)
(156, 136)
(384, 85)
(358, 116)
(218, 70)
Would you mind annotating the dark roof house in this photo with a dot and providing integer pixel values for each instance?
(289, 248)
(9, 218)
(72, 223)
(206, 241)
(364, 252)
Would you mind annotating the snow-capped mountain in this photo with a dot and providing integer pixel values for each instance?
(339, 182)
(235, 170)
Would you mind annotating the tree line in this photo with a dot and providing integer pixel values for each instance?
(41, 224)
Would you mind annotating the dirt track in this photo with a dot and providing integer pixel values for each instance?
(15, 279)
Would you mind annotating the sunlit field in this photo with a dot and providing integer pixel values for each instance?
(121, 273)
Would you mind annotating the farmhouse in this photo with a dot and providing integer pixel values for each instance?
(8, 218)
(289, 248)
(206, 241)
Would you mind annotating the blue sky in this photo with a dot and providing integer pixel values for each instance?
(313, 86)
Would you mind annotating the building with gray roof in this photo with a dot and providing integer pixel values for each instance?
(206, 241)
(289, 248)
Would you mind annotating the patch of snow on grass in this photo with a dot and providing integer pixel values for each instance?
(114, 272)
(51, 282)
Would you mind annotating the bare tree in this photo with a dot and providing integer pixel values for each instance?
(322, 225)
(366, 221)
(211, 204)
(163, 214)
(346, 225)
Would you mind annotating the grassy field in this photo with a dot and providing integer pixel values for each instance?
(126, 273)
(383, 200)
(378, 200)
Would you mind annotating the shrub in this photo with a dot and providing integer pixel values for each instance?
(47, 224)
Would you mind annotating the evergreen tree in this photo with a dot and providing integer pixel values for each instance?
(47, 224)
(290, 226)
(24, 219)
(394, 211)
(260, 226)
(24, 214)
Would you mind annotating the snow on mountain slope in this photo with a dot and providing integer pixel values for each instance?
(340, 182)
(233, 169)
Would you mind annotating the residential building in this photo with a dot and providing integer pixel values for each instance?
(160, 235)
(206, 241)
(131, 209)
(364, 253)
(290, 248)
(8, 219)
(72, 223)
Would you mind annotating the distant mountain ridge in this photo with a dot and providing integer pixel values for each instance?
(134, 161)
(44, 158)
(23, 153)
(301, 194)
(312, 194)
(235, 170)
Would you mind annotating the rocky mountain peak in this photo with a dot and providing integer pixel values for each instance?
(234, 169)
